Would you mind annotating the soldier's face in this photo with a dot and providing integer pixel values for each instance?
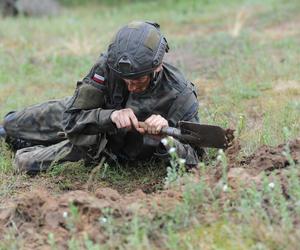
(138, 85)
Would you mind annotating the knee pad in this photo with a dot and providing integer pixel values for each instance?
(2, 132)
(7, 119)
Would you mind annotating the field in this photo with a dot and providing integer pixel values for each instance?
(243, 57)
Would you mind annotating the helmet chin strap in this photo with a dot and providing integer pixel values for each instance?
(154, 75)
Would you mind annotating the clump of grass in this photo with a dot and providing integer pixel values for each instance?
(177, 167)
(6, 157)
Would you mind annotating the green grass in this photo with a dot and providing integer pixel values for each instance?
(253, 74)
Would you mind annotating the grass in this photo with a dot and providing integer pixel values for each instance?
(243, 57)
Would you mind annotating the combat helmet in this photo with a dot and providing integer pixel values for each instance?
(136, 50)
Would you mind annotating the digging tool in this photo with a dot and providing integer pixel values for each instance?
(201, 135)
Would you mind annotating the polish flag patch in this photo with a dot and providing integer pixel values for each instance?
(99, 79)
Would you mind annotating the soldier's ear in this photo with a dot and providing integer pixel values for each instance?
(159, 68)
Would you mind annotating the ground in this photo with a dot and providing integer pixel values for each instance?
(243, 58)
(38, 213)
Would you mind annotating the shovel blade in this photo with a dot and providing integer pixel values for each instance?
(203, 135)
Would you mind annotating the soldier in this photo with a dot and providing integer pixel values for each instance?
(128, 84)
(9, 8)
(30, 7)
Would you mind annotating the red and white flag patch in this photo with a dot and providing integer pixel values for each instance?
(99, 79)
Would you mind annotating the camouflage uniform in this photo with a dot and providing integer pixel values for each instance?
(85, 117)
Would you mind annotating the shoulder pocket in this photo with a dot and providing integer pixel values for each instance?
(88, 96)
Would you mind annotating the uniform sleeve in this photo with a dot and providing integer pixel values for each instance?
(185, 108)
(85, 112)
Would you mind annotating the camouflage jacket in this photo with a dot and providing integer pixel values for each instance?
(87, 117)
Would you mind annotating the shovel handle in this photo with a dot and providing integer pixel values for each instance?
(171, 131)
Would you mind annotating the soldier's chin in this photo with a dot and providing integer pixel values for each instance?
(136, 91)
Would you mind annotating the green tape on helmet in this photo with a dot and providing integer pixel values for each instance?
(135, 25)
(152, 39)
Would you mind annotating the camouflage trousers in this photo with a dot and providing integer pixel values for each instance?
(39, 125)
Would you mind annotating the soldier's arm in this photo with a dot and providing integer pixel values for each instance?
(85, 112)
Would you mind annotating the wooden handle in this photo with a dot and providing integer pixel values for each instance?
(175, 132)
(164, 131)
(142, 125)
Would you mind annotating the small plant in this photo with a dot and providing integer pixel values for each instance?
(89, 244)
(223, 160)
(107, 221)
(74, 244)
(5, 158)
(241, 125)
(10, 240)
(287, 150)
(51, 241)
(177, 168)
(139, 234)
(172, 241)
(72, 218)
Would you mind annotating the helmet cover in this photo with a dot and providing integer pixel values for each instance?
(136, 50)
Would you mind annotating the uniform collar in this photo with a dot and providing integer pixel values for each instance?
(155, 78)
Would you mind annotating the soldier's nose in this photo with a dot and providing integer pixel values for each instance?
(131, 86)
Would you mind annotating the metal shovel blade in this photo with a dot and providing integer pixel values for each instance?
(203, 135)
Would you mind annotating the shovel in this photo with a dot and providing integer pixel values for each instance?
(201, 135)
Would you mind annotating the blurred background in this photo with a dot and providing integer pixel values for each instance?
(243, 55)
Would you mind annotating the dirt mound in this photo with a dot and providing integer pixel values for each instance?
(271, 158)
(37, 213)
(266, 159)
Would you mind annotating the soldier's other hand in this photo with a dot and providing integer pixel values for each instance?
(124, 118)
(153, 125)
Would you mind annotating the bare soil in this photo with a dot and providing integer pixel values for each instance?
(264, 161)
(36, 213)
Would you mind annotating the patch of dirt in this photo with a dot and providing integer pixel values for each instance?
(265, 159)
(271, 158)
(36, 213)
(283, 30)
(185, 57)
(291, 86)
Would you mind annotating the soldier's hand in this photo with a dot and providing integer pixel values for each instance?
(124, 118)
(153, 125)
